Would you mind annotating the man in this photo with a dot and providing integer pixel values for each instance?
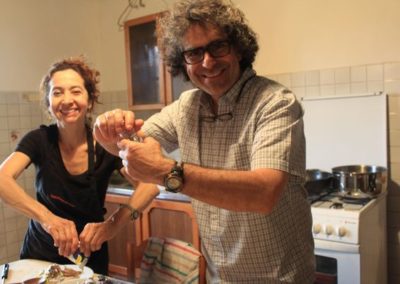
(242, 145)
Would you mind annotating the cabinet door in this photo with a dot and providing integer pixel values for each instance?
(146, 73)
(171, 224)
(118, 247)
(171, 219)
(150, 85)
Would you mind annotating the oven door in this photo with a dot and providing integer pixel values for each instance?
(337, 262)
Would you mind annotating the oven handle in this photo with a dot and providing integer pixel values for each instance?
(336, 246)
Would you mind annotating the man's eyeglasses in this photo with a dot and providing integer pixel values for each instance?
(217, 48)
(221, 117)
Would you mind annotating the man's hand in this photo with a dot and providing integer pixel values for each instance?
(144, 161)
(63, 232)
(111, 126)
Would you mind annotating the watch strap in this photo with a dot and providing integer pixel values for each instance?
(178, 169)
(134, 212)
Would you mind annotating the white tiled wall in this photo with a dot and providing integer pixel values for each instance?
(345, 80)
(20, 112)
(364, 79)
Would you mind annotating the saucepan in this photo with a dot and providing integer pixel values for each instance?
(318, 181)
(360, 180)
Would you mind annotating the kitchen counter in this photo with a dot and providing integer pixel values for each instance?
(125, 189)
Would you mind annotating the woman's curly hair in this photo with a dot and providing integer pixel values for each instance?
(89, 75)
(221, 14)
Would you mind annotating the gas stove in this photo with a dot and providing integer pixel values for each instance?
(340, 220)
(335, 200)
(350, 238)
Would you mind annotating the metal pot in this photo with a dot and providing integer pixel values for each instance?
(317, 181)
(360, 180)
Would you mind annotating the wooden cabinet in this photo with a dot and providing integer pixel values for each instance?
(170, 219)
(162, 218)
(150, 86)
(118, 248)
(167, 220)
(146, 73)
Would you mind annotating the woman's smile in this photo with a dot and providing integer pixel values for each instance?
(69, 100)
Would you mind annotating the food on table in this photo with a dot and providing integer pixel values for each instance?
(56, 273)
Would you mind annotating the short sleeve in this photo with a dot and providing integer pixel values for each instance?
(279, 140)
(31, 145)
(161, 127)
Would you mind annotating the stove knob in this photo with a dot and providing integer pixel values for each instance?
(329, 230)
(317, 229)
(342, 231)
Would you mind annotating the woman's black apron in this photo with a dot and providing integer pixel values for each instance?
(71, 197)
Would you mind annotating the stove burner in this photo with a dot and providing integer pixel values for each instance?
(336, 205)
(312, 198)
(360, 201)
(336, 201)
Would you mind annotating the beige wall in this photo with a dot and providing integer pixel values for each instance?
(294, 35)
(35, 33)
(314, 34)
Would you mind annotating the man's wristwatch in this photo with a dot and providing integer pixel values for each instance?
(134, 212)
(173, 182)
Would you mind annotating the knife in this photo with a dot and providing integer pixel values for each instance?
(79, 259)
(5, 273)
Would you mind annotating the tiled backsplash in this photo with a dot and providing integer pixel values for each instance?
(345, 80)
(20, 112)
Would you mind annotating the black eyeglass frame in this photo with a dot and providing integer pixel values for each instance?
(210, 48)
(221, 117)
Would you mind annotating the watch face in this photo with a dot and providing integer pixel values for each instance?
(174, 180)
(174, 183)
(135, 214)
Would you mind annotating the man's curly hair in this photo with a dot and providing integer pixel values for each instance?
(221, 14)
(89, 75)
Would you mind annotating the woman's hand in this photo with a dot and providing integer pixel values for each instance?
(63, 232)
(94, 235)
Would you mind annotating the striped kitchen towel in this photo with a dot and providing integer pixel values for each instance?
(171, 261)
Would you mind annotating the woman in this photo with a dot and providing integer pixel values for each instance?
(72, 173)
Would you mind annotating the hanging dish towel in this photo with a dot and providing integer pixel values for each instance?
(171, 261)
